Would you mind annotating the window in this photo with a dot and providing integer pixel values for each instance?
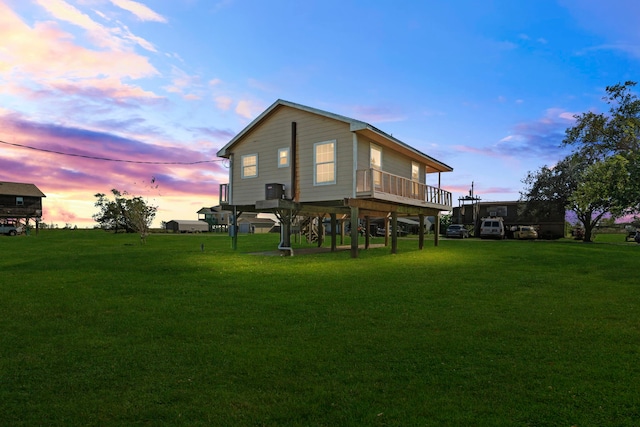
(19, 201)
(324, 160)
(375, 163)
(249, 166)
(283, 157)
(415, 178)
(376, 157)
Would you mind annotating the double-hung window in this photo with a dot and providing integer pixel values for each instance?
(283, 157)
(249, 165)
(324, 161)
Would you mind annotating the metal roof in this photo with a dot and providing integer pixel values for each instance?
(357, 126)
(20, 189)
(187, 222)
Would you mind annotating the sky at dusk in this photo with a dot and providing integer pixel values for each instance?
(487, 87)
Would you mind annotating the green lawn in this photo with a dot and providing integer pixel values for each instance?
(100, 330)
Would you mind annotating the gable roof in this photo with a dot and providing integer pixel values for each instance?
(357, 126)
(203, 211)
(20, 189)
(256, 220)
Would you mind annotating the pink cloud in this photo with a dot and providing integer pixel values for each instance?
(540, 138)
(108, 88)
(141, 11)
(69, 173)
(249, 109)
(189, 86)
(45, 52)
(34, 58)
(223, 102)
(78, 86)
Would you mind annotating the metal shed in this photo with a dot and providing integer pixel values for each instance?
(187, 226)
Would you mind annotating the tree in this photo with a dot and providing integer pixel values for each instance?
(132, 215)
(602, 175)
(547, 190)
(580, 184)
(595, 194)
(111, 215)
(603, 136)
(140, 215)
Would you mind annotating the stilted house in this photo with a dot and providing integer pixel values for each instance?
(297, 161)
(20, 202)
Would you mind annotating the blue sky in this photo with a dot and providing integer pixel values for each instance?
(487, 87)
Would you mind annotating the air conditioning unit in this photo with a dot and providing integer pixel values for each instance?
(274, 191)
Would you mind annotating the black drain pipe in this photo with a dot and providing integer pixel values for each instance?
(294, 183)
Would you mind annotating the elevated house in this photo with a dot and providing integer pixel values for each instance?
(20, 202)
(294, 160)
(217, 218)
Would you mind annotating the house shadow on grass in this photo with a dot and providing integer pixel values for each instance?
(313, 250)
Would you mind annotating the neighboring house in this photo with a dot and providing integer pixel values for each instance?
(551, 227)
(255, 224)
(19, 201)
(219, 220)
(297, 160)
(187, 226)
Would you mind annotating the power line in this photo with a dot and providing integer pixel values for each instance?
(106, 158)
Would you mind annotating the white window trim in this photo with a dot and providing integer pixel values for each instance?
(417, 165)
(372, 147)
(19, 201)
(335, 163)
(242, 166)
(415, 181)
(377, 176)
(281, 150)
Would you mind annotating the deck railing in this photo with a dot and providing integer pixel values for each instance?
(376, 183)
(22, 211)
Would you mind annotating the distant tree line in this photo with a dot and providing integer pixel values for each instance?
(601, 176)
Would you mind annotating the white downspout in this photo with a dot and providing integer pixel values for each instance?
(283, 248)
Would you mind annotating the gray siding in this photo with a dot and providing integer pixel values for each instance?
(264, 140)
(275, 133)
(392, 161)
(316, 129)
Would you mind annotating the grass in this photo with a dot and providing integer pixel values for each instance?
(99, 330)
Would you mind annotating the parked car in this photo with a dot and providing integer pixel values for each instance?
(525, 232)
(457, 230)
(492, 228)
(10, 229)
